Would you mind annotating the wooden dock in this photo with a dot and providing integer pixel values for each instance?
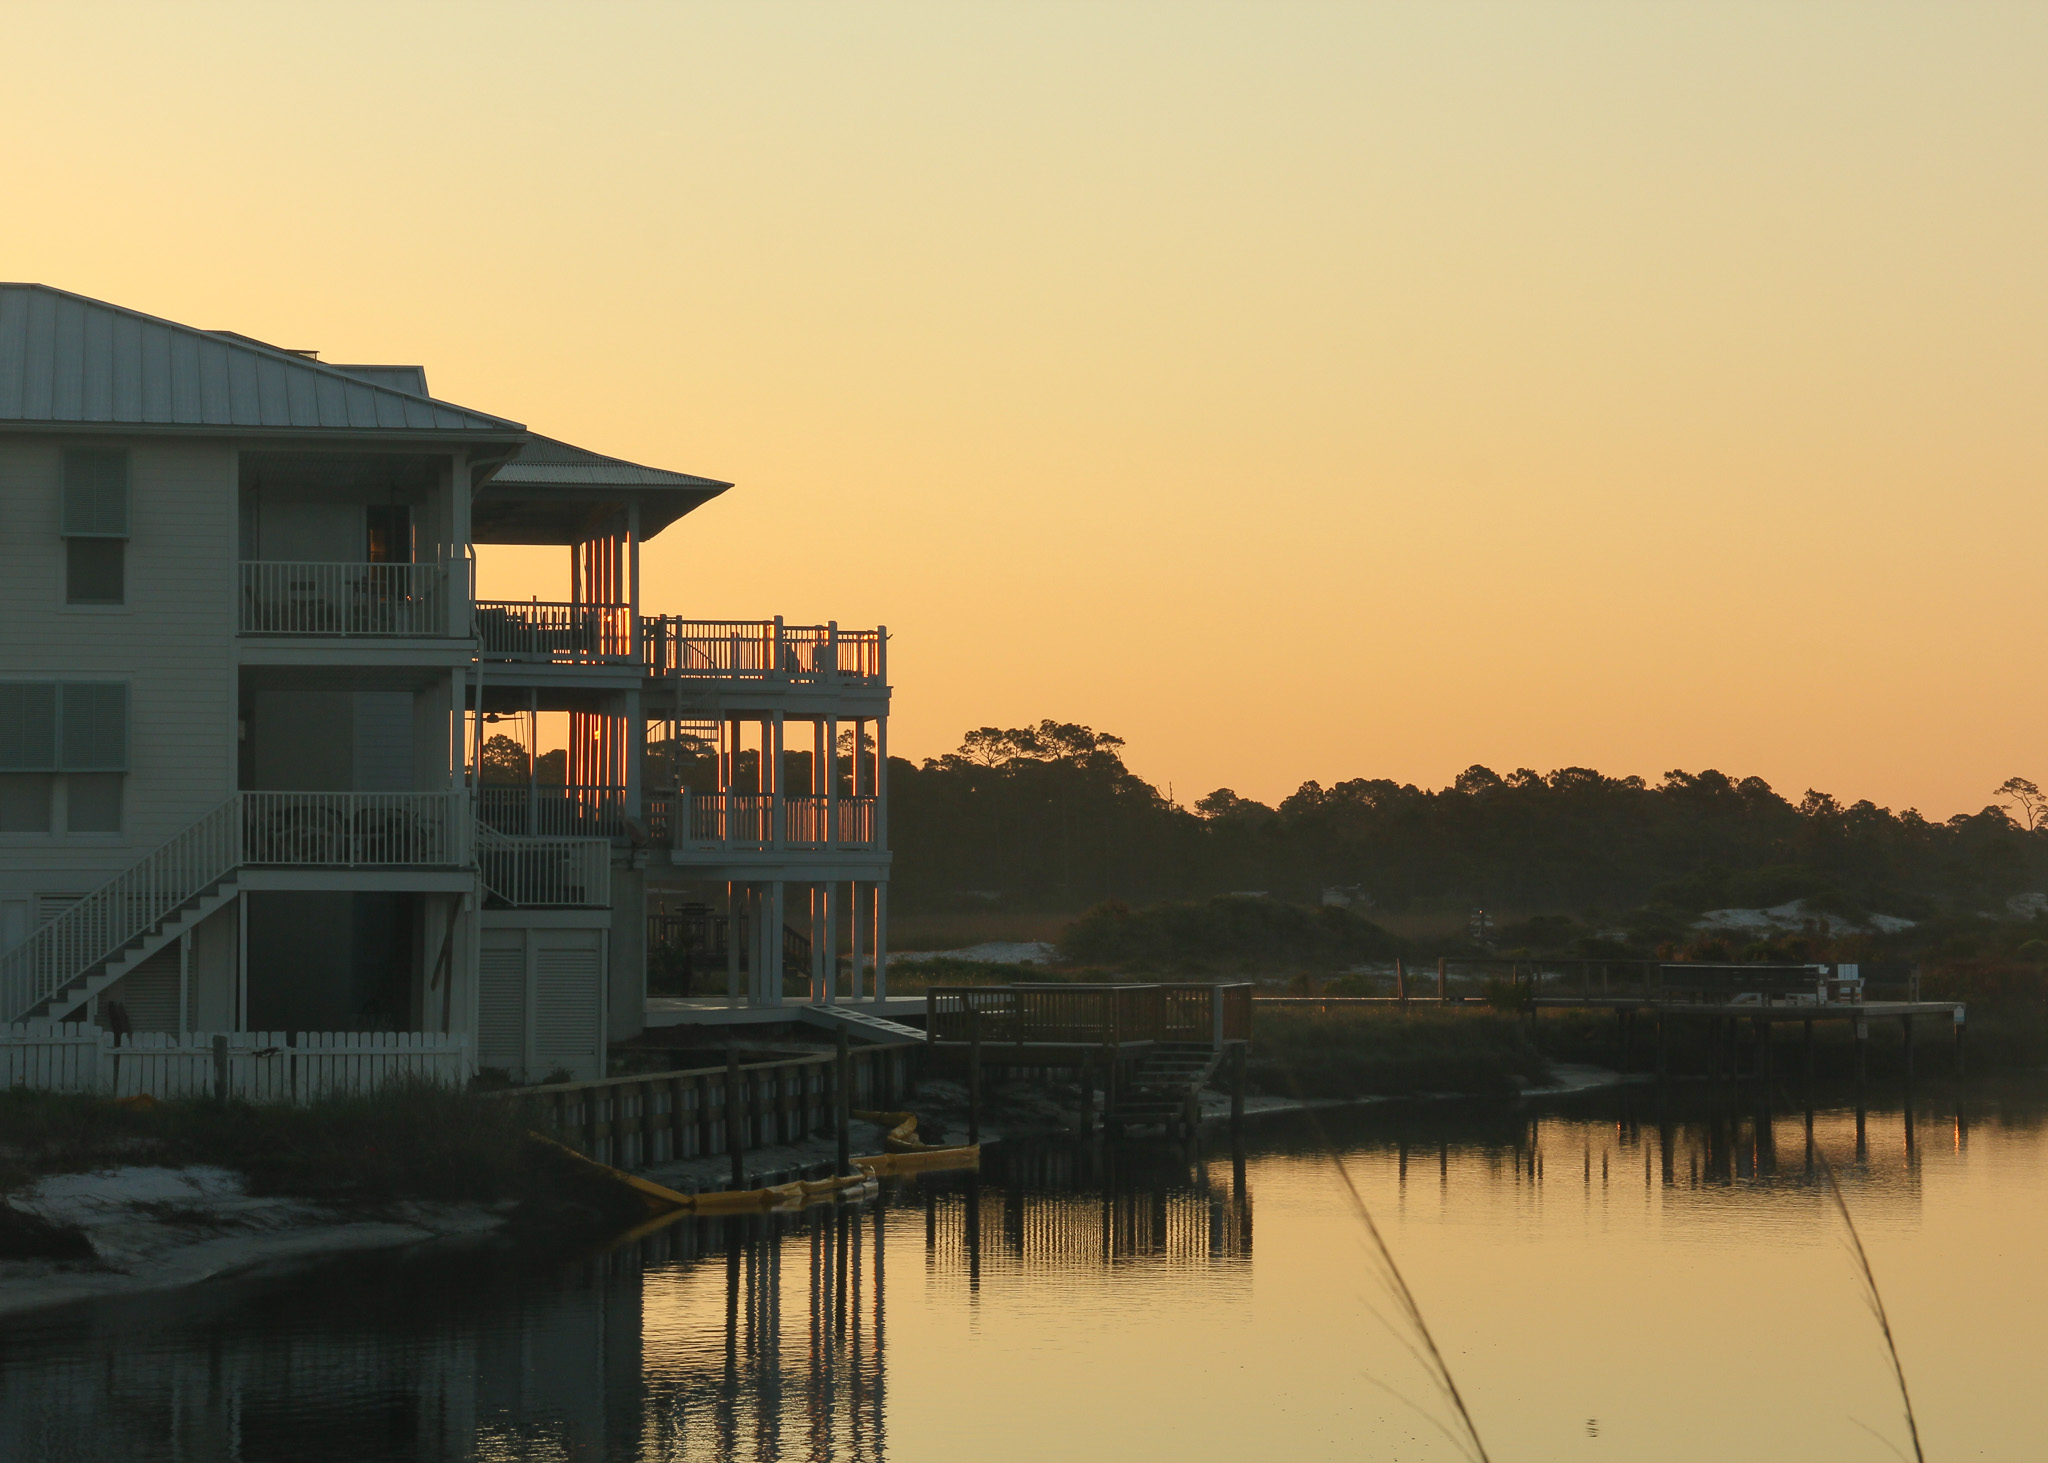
(1726, 995)
(1150, 1048)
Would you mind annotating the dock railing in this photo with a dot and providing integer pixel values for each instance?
(662, 1117)
(1109, 1014)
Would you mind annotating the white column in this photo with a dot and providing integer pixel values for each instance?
(881, 782)
(881, 941)
(774, 738)
(636, 746)
(735, 925)
(831, 892)
(460, 590)
(853, 922)
(777, 914)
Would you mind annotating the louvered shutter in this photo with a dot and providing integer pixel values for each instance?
(95, 494)
(94, 726)
(28, 726)
(501, 1002)
(568, 991)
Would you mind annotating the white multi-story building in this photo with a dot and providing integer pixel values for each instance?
(268, 764)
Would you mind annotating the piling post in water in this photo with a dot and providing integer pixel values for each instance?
(1237, 1065)
(735, 1123)
(1862, 1056)
(1663, 1050)
(973, 1072)
(1906, 1027)
(1959, 1041)
(842, 1103)
(1807, 1042)
(1401, 981)
(1763, 1054)
(1443, 980)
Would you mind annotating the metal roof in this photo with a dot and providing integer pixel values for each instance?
(71, 361)
(545, 461)
(552, 490)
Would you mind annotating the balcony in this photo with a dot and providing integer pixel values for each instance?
(761, 650)
(355, 830)
(553, 631)
(344, 601)
(550, 810)
(725, 822)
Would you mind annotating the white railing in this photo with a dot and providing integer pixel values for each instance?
(122, 910)
(344, 599)
(543, 872)
(747, 820)
(330, 829)
(354, 830)
(543, 810)
(760, 650)
(257, 1066)
(552, 630)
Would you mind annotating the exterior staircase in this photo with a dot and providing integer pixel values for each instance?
(1164, 1089)
(857, 1022)
(107, 933)
(103, 935)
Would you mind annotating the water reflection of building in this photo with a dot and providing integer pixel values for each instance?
(746, 1338)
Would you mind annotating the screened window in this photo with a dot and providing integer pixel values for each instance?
(63, 745)
(95, 571)
(63, 726)
(95, 527)
(95, 494)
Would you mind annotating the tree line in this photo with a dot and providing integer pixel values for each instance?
(1050, 817)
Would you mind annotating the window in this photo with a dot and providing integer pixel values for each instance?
(95, 527)
(63, 744)
(25, 802)
(94, 571)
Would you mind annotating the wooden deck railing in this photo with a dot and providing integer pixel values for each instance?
(665, 1116)
(554, 630)
(737, 820)
(1089, 1015)
(760, 650)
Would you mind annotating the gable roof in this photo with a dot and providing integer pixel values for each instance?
(66, 360)
(552, 489)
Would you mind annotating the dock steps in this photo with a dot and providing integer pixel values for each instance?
(1164, 1090)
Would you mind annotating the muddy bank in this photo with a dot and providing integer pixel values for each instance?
(127, 1230)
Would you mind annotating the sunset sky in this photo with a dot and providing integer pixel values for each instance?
(1298, 391)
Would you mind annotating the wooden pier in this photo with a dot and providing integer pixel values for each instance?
(1726, 995)
(1149, 1048)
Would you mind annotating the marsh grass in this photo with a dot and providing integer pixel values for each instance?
(406, 1141)
(1382, 1051)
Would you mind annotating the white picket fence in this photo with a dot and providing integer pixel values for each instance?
(261, 1066)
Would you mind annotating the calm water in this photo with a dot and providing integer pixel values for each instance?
(1606, 1285)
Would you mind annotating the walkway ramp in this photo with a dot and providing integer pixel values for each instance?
(856, 1022)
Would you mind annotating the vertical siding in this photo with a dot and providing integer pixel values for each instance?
(173, 641)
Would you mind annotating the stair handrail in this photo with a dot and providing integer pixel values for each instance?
(102, 923)
(586, 869)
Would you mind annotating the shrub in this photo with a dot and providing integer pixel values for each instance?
(1224, 936)
(1356, 1053)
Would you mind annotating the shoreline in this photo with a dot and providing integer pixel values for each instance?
(155, 1229)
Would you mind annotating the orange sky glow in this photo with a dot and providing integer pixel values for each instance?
(1298, 391)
